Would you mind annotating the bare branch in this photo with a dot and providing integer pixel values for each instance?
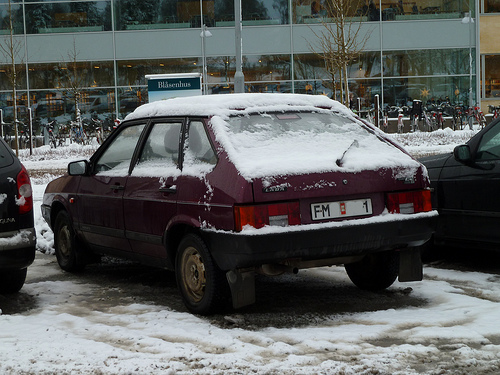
(339, 41)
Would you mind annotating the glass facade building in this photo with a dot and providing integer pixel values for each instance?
(421, 49)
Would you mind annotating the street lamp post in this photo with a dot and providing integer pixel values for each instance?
(469, 20)
(204, 34)
(239, 78)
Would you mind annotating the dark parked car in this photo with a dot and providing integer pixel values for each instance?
(17, 230)
(465, 187)
(221, 187)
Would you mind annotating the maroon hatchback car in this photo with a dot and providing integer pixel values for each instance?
(219, 188)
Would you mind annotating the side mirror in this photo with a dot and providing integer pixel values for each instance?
(462, 154)
(78, 168)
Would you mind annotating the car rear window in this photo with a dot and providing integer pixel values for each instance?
(268, 144)
(6, 157)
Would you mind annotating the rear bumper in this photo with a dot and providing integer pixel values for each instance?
(269, 245)
(17, 249)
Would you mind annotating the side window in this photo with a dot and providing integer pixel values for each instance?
(489, 148)
(116, 158)
(161, 150)
(198, 149)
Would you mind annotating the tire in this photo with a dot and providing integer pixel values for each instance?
(12, 280)
(203, 286)
(375, 271)
(69, 253)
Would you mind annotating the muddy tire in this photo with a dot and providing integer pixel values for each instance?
(375, 271)
(69, 252)
(203, 286)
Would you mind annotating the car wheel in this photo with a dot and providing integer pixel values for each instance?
(375, 271)
(202, 284)
(68, 249)
(11, 281)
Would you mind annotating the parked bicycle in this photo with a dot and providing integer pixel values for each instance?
(96, 130)
(495, 109)
(49, 128)
(24, 135)
(459, 117)
(429, 121)
(475, 115)
(78, 134)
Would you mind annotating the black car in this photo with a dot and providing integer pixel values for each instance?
(465, 191)
(17, 229)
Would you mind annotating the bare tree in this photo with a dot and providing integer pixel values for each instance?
(12, 51)
(339, 41)
(73, 79)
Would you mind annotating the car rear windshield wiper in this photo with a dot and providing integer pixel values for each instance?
(354, 143)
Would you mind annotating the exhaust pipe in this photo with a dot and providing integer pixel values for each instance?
(276, 269)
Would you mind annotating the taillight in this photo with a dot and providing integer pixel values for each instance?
(279, 214)
(409, 202)
(25, 193)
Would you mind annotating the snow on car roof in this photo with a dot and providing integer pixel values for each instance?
(226, 105)
(258, 154)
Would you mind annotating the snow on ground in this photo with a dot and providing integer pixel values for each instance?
(449, 327)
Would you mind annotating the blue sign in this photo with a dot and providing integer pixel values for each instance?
(165, 86)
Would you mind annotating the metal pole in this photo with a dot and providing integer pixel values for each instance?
(204, 62)
(239, 78)
(471, 103)
(30, 125)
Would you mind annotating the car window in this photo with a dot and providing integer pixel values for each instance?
(198, 149)
(489, 148)
(304, 142)
(116, 158)
(160, 154)
(6, 157)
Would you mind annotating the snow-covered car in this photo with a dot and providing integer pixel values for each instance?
(17, 229)
(219, 188)
(465, 191)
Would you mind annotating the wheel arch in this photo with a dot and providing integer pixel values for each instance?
(56, 207)
(174, 235)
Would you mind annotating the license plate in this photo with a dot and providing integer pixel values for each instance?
(335, 210)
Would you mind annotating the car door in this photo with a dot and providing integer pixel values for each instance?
(99, 200)
(151, 192)
(471, 203)
(167, 183)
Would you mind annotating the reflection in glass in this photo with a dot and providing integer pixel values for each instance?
(133, 72)
(17, 19)
(65, 74)
(314, 11)
(415, 63)
(427, 89)
(68, 17)
(131, 98)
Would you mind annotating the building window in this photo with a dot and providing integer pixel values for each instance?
(69, 74)
(317, 11)
(133, 72)
(491, 6)
(17, 19)
(68, 17)
(492, 76)
(175, 14)
(417, 62)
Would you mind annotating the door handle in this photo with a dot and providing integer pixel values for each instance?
(117, 187)
(168, 189)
